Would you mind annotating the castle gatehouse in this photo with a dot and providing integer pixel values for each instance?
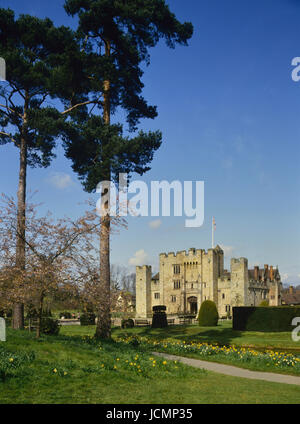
(187, 278)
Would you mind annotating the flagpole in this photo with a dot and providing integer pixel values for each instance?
(212, 233)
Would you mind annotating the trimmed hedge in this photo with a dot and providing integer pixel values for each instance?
(159, 319)
(159, 308)
(208, 314)
(271, 318)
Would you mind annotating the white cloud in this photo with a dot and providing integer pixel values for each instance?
(285, 277)
(228, 250)
(139, 258)
(60, 180)
(155, 224)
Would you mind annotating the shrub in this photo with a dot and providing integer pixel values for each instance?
(208, 314)
(127, 323)
(264, 303)
(87, 318)
(271, 318)
(50, 326)
(159, 319)
(67, 315)
(159, 308)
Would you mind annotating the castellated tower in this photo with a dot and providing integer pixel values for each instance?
(188, 278)
(239, 281)
(143, 291)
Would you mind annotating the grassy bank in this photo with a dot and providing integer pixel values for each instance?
(250, 350)
(223, 334)
(74, 369)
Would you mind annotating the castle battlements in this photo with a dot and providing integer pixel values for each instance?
(191, 252)
(145, 267)
(239, 261)
(188, 277)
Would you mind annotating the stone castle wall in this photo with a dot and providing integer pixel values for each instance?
(187, 278)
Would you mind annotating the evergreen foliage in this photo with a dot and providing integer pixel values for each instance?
(208, 314)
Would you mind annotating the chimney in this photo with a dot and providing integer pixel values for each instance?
(271, 273)
(266, 271)
(256, 273)
(291, 290)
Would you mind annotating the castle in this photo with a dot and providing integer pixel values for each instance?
(186, 279)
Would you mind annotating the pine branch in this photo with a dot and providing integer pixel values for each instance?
(9, 136)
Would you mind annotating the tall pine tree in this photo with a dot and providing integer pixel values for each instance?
(42, 63)
(120, 34)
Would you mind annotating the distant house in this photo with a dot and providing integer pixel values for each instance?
(291, 296)
(125, 302)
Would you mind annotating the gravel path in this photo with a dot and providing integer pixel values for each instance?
(233, 371)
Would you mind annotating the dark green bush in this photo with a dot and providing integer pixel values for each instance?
(208, 314)
(127, 323)
(50, 326)
(87, 318)
(159, 319)
(271, 318)
(159, 308)
(67, 315)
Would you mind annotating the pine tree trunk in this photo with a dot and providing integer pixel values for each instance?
(103, 329)
(18, 309)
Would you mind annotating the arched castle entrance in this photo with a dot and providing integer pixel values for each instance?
(192, 305)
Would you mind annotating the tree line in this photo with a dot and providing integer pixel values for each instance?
(64, 86)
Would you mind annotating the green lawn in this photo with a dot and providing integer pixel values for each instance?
(67, 369)
(222, 334)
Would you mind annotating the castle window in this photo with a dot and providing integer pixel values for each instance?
(176, 269)
(227, 308)
(156, 295)
(192, 285)
(176, 284)
(173, 299)
(223, 295)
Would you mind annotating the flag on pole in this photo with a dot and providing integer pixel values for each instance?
(212, 231)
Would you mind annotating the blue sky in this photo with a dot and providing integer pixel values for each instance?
(229, 113)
